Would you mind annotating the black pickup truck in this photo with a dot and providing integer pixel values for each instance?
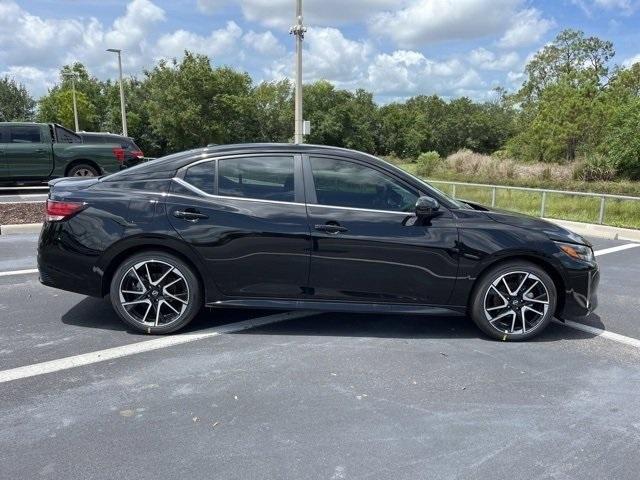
(38, 152)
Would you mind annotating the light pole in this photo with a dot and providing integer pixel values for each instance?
(298, 30)
(122, 108)
(75, 104)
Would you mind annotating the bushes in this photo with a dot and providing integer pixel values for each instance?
(623, 141)
(428, 163)
(596, 168)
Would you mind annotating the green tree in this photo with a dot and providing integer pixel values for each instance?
(15, 102)
(622, 142)
(191, 104)
(57, 107)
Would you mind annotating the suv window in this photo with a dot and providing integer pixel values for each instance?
(24, 134)
(348, 184)
(202, 176)
(265, 178)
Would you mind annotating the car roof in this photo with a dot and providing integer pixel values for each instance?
(178, 160)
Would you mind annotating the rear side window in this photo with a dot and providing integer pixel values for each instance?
(24, 134)
(347, 184)
(65, 136)
(202, 176)
(263, 178)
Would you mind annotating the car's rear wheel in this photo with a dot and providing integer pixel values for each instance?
(514, 301)
(155, 292)
(83, 170)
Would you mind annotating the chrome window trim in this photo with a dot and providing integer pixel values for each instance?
(188, 186)
(196, 190)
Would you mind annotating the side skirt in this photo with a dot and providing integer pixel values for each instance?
(354, 307)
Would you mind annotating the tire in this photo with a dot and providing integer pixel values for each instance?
(165, 304)
(499, 301)
(83, 170)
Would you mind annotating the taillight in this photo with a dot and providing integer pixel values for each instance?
(119, 152)
(57, 211)
(137, 153)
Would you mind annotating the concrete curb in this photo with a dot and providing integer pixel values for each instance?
(22, 228)
(602, 231)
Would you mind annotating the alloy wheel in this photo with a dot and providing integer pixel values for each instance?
(154, 293)
(516, 302)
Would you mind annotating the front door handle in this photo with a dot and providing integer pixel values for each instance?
(190, 214)
(331, 228)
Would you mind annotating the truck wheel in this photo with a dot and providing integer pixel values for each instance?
(83, 170)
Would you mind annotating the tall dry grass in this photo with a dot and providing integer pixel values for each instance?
(466, 162)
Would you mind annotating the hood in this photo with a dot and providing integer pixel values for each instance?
(555, 232)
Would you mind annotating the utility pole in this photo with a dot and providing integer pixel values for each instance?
(122, 108)
(298, 30)
(75, 104)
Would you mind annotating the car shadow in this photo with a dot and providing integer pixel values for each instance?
(97, 313)
(398, 326)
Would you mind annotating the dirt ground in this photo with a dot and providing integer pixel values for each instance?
(18, 213)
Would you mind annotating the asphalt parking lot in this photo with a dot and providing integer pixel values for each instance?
(256, 394)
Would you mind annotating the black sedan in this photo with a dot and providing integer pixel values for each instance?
(305, 227)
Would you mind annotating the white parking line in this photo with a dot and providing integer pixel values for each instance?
(18, 272)
(140, 347)
(616, 337)
(604, 251)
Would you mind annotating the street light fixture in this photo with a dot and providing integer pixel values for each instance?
(73, 77)
(122, 108)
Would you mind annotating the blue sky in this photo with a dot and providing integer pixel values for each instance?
(395, 48)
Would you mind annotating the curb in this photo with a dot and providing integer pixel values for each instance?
(602, 231)
(20, 228)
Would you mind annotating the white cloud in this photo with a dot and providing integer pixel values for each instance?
(487, 60)
(281, 13)
(631, 61)
(406, 72)
(265, 43)
(425, 21)
(330, 55)
(32, 43)
(528, 26)
(624, 7)
(223, 42)
(34, 79)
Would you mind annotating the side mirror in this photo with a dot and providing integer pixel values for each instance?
(426, 207)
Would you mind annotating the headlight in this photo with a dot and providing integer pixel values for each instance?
(578, 252)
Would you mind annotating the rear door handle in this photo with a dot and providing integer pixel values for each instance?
(190, 215)
(331, 228)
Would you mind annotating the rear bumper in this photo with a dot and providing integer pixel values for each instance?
(63, 265)
(581, 293)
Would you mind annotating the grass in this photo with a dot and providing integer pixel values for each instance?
(618, 213)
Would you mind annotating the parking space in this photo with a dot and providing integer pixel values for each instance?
(316, 396)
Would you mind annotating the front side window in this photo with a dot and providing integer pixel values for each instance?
(347, 184)
(263, 178)
(202, 176)
(24, 134)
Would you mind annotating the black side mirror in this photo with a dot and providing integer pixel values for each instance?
(427, 207)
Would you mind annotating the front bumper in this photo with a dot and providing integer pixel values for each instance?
(581, 293)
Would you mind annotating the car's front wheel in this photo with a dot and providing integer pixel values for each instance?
(155, 292)
(514, 301)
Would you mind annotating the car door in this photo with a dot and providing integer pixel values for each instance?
(368, 244)
(246, 217)
(4, 170)
(28, 152)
